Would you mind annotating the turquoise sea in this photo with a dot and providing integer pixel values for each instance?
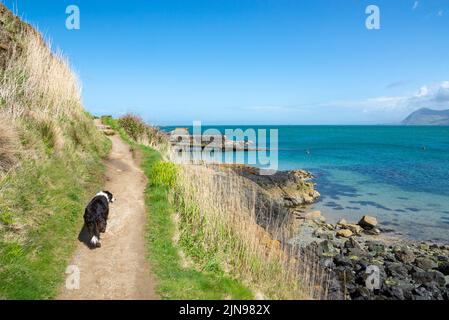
(398, 174)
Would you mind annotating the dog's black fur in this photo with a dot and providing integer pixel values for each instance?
(96, 216)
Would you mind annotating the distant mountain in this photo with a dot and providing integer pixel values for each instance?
(428, 117)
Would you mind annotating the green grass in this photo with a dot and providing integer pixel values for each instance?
(47, 199)
(173, 280)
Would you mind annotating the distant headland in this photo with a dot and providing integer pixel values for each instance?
(428, 117)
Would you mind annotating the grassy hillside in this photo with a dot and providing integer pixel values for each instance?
(50, 162)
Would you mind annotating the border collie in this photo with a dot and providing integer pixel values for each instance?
(96, 216)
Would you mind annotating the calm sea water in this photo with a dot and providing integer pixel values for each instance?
(398, 174)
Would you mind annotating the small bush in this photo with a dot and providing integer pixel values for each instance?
(107, 120)
(163, 173)
(134, 126)
(156, 137)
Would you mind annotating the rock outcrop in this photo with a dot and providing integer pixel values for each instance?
(293, 189)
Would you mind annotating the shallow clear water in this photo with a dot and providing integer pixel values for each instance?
(398, 174)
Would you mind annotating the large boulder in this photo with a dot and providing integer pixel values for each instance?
(444, 268)
(426, 277)
(405, 255)
(355, 229)
(396, 270)
(376, 247)
(326, 248)
(344, 233)
(368, 222)
(393, 292)
(353, 244)
(354, 248)
(425, 263)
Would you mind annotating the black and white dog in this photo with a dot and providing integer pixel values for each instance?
(96, 216)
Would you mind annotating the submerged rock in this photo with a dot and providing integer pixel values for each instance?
(372, 232)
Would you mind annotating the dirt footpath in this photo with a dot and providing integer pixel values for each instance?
(119, 269)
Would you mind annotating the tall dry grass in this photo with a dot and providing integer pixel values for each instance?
(220, 211)
(9, 143)
(37, 79)
(39, 92)
(41, 96)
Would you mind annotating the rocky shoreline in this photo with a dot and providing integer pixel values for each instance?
(362, 262)
(364, 265)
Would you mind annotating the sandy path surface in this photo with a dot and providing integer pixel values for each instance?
(117, 270)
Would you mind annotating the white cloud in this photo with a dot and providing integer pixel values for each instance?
(435, 96)
(415, 5)
(386, 108)
(423, 91)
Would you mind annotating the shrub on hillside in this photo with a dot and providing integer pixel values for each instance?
(164, 173)
(134, 126)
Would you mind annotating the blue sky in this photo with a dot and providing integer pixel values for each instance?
(253, 61)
